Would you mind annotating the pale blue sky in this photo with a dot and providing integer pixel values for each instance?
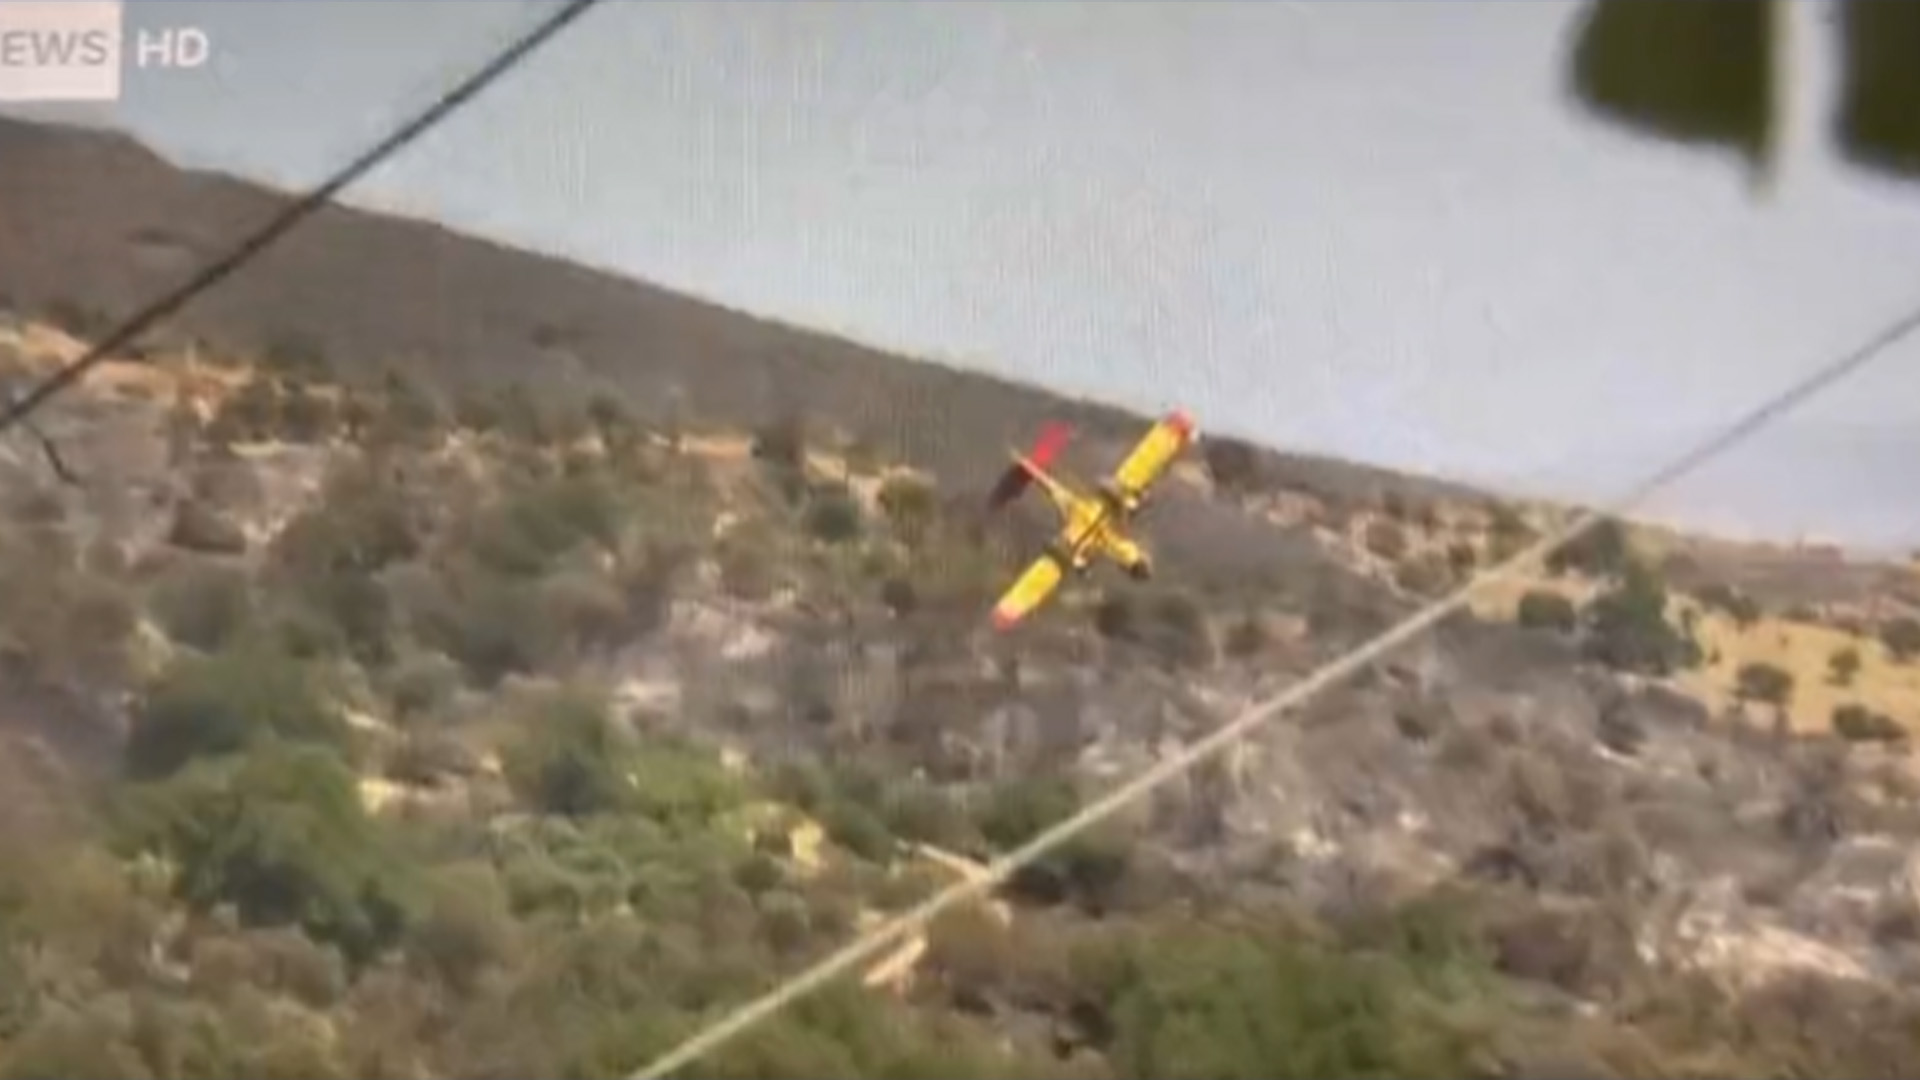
(1371, 229)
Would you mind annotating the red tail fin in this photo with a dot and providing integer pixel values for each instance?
(1046, 446)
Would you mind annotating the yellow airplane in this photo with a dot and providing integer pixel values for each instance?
(1090, 525)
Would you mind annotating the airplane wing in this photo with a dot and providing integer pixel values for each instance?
(1155, 451)
(1031, 589)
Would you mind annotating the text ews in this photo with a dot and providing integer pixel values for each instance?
(72, 50)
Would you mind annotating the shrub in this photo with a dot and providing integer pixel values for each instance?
(565, 761)
(1601, 551)
(203, 605)
(782, 442)
(421, 685)
(306, 417)
(1178, 629)
(1765, 683)
(1115, 617)
(1294, 1008)
(900, 596)
(252, 414)
(1901, 637)
(298, 355)
(532, 526)
(911, 506)
(1627, 627)
(1857, 723)
(1735, 605)
(833, 516)
(1843, 665)
(198, 526)
(279, 833)
(1248, 636)
(465, 927)
(1462, 559)
(1386, 540)
(223, 703)
(1422, 577)
(1233, 465)
(1543, 609)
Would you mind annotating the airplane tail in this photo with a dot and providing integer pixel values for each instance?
(1046, 446)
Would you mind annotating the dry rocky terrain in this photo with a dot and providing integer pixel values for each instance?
(372, 712)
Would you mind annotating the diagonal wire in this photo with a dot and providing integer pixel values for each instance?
(736, 1022)
(559, 17)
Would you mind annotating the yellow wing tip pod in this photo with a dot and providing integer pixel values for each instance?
(1029, 591)
(1180, 421)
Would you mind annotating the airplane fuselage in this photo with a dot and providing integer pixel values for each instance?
(1094, 525)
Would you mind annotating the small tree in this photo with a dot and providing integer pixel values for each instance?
(833, 515)
(1735, 605)
(566, 764)
(1765, 683)
(1231, 464)
(1901, 637)
(782, 442)
(221, 704)
(1507, 532)
(1386, 540)
(1247, 636)
(1602, 551)
(296, 354)
(911, 505)
(1627, 628)
(1857, 723)
(1544, 609)
(1843, 665)
(280, 834)
(1462, 558)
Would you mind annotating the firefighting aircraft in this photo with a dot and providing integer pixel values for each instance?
(1090, 525)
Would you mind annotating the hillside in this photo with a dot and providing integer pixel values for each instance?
(369, 712)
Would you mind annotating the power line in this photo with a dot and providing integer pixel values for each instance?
(220, 269)
(885, 934)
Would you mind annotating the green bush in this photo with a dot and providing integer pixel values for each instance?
(1734, 604)
(1627, 628)
(1765, 683)
(203, 605)
(1543, 609)
(223, 703)
(526, 532)
(566, 761)
(1234, 466)
(280, 834)
(1857, 723)
(782, 442)
(911, 506)
(1901, 636)
(1387, 540)
(1843, 665)
(1601, 551)
(1205, 1001)
(834, 516)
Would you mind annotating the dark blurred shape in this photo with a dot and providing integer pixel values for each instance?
(1693, 72)
(1701, 72)
(1878, 126)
